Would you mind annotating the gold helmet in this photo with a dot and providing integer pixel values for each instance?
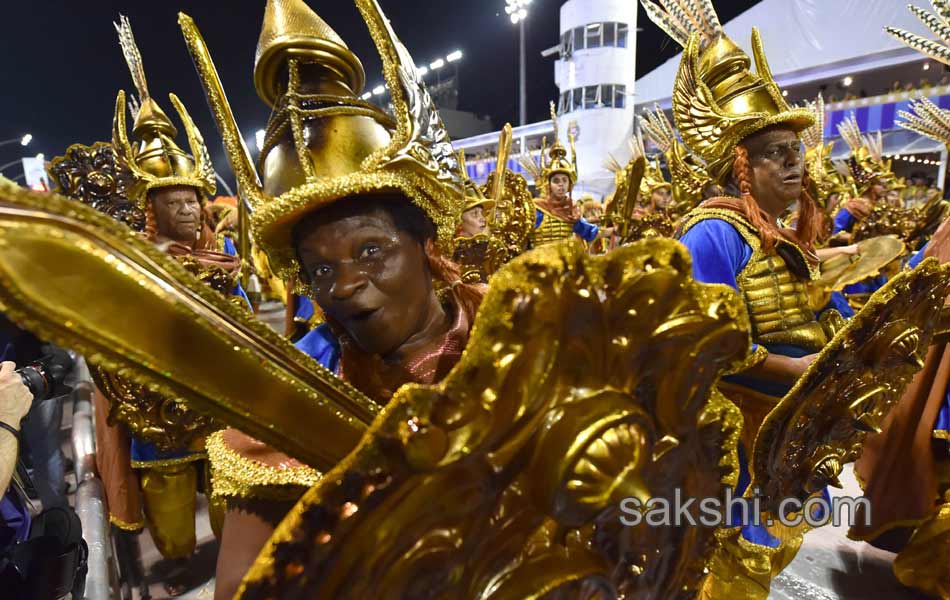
(155, 159)
(473, 195)
(557, 156)
(556, 162)
(652, 178)
(866, 163)
(324, 143)
(717, 100)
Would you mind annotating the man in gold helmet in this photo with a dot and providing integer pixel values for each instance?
(474, 220)
(166, 449)
(737, 121)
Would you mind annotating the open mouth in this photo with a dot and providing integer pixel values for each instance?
(793, 179)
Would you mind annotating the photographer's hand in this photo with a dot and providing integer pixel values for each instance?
(15, 400)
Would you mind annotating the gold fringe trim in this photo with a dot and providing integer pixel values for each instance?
(124, 526)
(236, 476)
(941, 434)
(168, 462)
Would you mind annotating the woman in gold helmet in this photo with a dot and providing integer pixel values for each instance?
(738, 122)
(360, 208)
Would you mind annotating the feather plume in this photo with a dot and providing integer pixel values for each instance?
(814, 136)
(933, 22)
(851, 133)
(841, 166)
(612, 164)
(927, 47)
(132, 57)
(942, 8)
(658, 128)
(682, 18)
(531, 166)
(554, 121)
(875, 146)
(927, 119)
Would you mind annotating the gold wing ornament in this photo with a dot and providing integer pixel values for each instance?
(586, 380)
(688, 180)
(704, 127)
(845, 394)
(164, 329)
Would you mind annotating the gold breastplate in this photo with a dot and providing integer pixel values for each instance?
(552, 229)
(778, 305)
(777, 299)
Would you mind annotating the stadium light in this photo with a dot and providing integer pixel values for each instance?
(437, 64)
(454, 56)
(26, 139)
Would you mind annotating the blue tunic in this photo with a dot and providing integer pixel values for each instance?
(844, 221)
(320, 345)
(582, 228)
(719, 254)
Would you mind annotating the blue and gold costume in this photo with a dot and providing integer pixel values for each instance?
(554, 222)
(718, 101)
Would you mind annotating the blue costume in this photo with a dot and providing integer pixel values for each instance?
(726, 249)
(581, 228)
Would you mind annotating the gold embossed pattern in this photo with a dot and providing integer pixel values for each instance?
(847, 392)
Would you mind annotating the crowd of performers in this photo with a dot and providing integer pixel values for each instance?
(366, 227)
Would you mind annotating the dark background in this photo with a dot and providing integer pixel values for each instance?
(63, 65)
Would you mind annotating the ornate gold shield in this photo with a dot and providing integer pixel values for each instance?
(587, 380)
(514, 214)
(821, 423)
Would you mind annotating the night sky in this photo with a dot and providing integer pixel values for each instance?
(63, 65)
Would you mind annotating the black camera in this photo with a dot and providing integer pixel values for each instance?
(45, 377)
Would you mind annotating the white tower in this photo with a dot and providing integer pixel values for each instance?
(595, 76)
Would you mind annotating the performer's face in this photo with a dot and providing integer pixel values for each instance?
(777, 168)
(473, 221)
(661, 197)
(878, 189)
(368, 276)
(177, 213)
(560, 187)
